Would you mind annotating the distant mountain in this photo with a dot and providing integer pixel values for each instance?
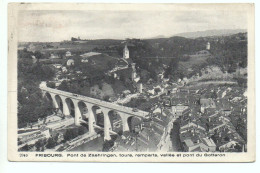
(208, 33)
(158, 36)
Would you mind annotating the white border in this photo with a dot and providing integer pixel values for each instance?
(6, 166)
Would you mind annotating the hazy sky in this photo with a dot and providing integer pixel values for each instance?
(62, 25)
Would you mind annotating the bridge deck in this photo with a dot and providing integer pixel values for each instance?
(97, 102)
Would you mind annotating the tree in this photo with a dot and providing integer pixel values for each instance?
(40, 144)
(64, 86)
(38, 55)
(107, 145)
(242, 82)
(171, 70)
(110, 64)
(214, 95)
(70, 134)
(51, 84)
(144, 75)
(81, 130)
(74, 39)
(25, 148)
(51, 143)
(157, 90)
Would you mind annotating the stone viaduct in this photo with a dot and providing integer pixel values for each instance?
(86, 107)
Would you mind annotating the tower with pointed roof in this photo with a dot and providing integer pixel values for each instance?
(126, 52)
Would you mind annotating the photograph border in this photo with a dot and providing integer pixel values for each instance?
(14, 155)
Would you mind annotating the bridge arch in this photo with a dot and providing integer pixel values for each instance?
(98, 115)
(48, 96)
(59, 103)
(52, 104)
(83, 110)
(69, 103)
(116, 121)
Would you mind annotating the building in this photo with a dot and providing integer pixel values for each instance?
(84, 60)
(64, 69)
(194, 139)
(206, 103)
(227, 139)
(68, 54)
(34, 59)
(134, 76)
(140, 87)
(178, 106)
(53, 56)
(178, 109)
(128, 73)
(208, 46)
(70, 62)
(126, 53)
(58, 66)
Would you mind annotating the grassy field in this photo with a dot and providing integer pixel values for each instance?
(194, 60)
(73, 46)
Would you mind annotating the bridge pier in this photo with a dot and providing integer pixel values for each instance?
(107, 124)
(77, 113)
(66, 110)
(91, 118)
(55, 104)
(124, 122)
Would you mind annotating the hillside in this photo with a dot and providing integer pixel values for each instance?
(210, 33)
(154, 55)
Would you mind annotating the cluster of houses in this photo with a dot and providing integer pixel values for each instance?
(210, 132)
(205, 123)
(146, 136)
(207, 128)
(44, 129)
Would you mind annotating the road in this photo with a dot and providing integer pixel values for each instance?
(175, 138)
(165, 143)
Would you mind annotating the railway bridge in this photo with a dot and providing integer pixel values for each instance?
(87, 108)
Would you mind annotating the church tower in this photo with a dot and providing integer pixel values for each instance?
(133, 75)
(126, 52)
(208, 46)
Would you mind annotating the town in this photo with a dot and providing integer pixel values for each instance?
(157, 95)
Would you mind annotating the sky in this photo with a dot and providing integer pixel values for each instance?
(51, 26)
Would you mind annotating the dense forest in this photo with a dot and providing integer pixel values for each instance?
(228, 53)
(31, 104)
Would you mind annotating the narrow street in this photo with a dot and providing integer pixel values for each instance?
(175, 138)
(165, 144)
